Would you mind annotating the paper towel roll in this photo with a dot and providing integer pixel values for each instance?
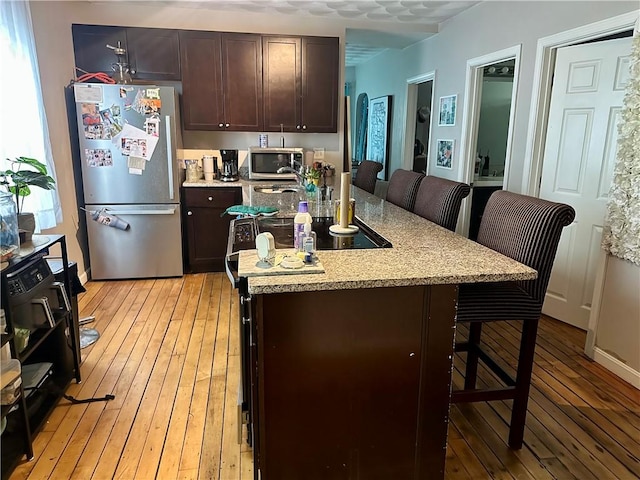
(207, 164)
(344, 198)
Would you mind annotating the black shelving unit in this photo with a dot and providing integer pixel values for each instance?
(56, 343)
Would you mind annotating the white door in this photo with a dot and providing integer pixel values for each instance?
(586, 101)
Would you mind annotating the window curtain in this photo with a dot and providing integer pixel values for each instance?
(622, 224)
(23, 123)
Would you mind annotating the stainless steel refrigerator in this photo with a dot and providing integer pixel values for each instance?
(127, 153)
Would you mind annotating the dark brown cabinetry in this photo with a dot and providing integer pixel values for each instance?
(300, 82)
(153, 53)
(207, 230)
(378, 408)
(90, 46)
(221, 81)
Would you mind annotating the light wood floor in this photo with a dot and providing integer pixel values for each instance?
(169, 353)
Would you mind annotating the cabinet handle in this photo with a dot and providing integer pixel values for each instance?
(226, 125)
(189, 213)
(221, 125)
(304, 127)
(297, 127)
(210, 199)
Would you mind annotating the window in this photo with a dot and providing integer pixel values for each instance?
(23, 123)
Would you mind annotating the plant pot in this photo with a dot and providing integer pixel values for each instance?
(27, 222)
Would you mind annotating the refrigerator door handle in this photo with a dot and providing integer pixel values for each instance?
(167, 124)
(163, 211)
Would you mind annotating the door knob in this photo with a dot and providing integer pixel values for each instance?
(226, 125)
(221, 125)
(189, 213)
(297, 127)
(210, 199)
(304, 127)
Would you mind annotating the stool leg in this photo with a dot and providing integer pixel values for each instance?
(471, 372)
(523, 383)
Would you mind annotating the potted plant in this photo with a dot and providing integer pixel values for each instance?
(18, 181)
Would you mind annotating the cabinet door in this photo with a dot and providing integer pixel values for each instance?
(90, 47)
(154, 53)
(320, 84)
(207, 230)
(281, 81)
(242, 80)
(202, 99)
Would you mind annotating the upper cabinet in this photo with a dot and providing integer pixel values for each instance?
(153, 53)
(90, 47)
(300, 82)
(230, 81)
(221, 81)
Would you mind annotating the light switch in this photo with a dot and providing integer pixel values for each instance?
(318, 153)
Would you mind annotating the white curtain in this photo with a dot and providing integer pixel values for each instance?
(622, 224)
(23, 123)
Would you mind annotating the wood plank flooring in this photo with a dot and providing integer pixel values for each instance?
(169, 352)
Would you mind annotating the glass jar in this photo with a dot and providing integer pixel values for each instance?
(9, 236)
(193, 175)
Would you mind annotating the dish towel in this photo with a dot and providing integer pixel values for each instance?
(249, 210)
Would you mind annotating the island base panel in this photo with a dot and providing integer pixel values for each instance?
(354, 383)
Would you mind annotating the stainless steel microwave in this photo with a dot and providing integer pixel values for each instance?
(264, 163)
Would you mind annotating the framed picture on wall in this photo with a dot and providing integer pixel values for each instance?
(444, 154)
(447, 111)
(378, 133)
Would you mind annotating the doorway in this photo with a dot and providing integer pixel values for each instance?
(418, 126)
(487, 129)
(578, 161)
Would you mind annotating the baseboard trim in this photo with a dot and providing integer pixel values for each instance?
(84, 278)
(615, 366)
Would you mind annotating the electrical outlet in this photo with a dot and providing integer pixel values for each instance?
(318, 153)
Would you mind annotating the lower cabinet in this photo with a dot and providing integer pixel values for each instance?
(206, 229)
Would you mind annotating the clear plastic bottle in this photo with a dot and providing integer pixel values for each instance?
(307, 241)
(303, 216)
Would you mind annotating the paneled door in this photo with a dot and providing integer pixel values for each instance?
(580, 151)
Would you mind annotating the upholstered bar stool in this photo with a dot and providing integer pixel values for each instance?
(367, 175)
(439, 200)
(528, 230)
(403, 188)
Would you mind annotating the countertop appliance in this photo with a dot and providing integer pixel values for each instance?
(242, 235)
(127, 138)
(229, 165)
(264, 163)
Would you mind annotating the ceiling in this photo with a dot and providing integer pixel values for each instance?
(372, 26)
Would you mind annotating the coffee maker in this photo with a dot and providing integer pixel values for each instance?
(229, 171)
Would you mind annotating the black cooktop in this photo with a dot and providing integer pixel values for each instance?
(282, 231)
(243, 232)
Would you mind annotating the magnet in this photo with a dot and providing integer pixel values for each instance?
(98, 157)
(90, 114)
(152, 125)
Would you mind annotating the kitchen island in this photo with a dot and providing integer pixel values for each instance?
(351, 369)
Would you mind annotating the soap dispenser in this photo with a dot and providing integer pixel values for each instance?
(307, 243)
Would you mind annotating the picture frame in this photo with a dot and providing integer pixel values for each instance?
(378, 133)
(447, 111)
(444, 153)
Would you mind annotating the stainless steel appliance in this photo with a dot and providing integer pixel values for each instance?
(242, 234)
(127, 156)
(264, 163)
(229, 165)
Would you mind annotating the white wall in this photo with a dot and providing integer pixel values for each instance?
(483, 29)
(618, 330)
(52, 28)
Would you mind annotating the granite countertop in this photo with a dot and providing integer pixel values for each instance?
(423, 253)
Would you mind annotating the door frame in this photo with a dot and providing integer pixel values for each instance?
(538, 118)
(410, 126)
(470, 118)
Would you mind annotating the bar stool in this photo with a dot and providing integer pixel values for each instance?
(367, 175)
(528, 230)
(403, 188)
(439, 200)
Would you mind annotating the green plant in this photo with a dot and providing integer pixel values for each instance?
(18, 180)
